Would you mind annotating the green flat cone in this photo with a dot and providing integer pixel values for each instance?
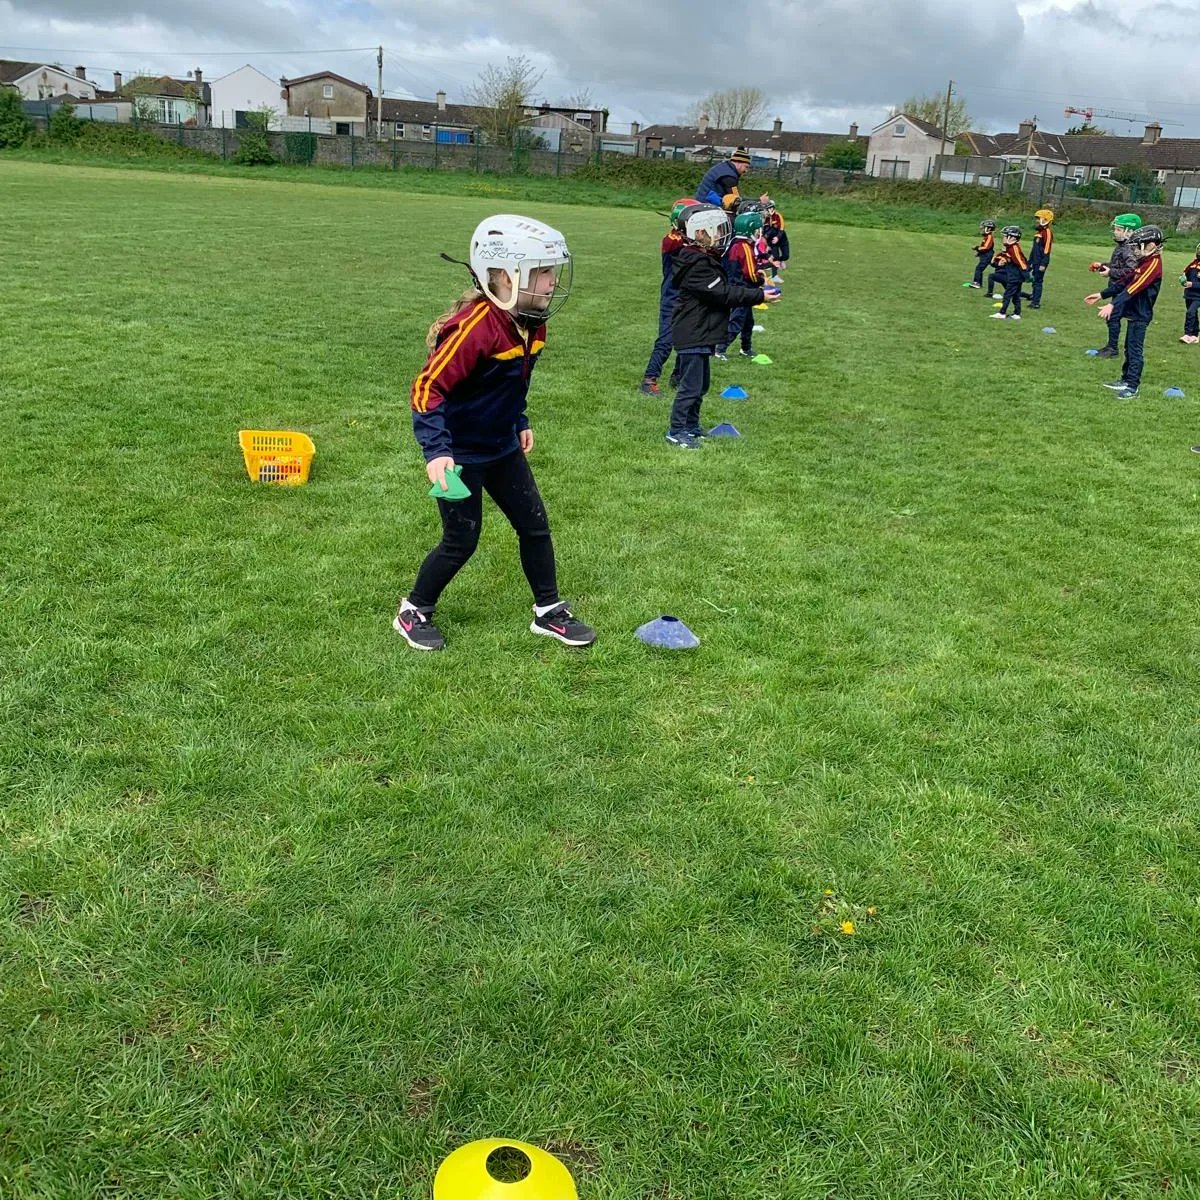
(457, 489)
(762, 360)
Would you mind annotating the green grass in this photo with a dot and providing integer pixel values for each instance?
(291, 911)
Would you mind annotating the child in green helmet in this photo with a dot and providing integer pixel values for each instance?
(1119, 269)
(741, 267)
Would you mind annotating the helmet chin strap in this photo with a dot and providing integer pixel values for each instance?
(459, 263)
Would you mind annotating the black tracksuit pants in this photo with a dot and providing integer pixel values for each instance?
(511, 485)
(982, 265)
(693, 383)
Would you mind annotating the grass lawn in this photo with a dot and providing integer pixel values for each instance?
(292, 911)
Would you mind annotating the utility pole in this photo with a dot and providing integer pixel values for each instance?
(379, 99)
(946, 117)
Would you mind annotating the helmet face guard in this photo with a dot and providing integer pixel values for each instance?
(708, 227)
(987, 226)
(1012, 231)
(537, 306)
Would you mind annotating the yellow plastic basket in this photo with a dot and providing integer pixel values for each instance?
(276, 455)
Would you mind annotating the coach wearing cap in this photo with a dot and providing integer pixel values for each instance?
(720, 182)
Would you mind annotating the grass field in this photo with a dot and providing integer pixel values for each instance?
(292, 911)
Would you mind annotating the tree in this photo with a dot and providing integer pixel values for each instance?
(933, 110)
(580, 101)
(1088, 128)
(63, 126)
(733, 108)
(15, 126)
(253, 148)
(1141, 181)
(843, 156)
(504, 92)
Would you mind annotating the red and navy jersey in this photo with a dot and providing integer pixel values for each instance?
(469, 399)
(987, 245)
(1043, 241)
(740, 264)
(670, 247)
(1135, 301)
(1012, 256)
(1192, 274)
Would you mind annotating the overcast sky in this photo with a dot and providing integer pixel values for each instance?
(822, 63)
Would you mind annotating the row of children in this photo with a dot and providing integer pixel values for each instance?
(1011, 268)
(1134, 277)
(714, 273)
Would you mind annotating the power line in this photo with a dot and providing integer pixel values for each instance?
(143, 52)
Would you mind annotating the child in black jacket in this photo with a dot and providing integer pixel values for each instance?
(706, 298)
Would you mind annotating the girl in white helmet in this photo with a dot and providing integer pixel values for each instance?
(468, 413)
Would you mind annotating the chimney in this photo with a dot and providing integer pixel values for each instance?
(853, 130)
(441, 101)
(777, 127)
(1152, 134)
(80, 73)
(117, 81)
(702, 124)
(634, 128)
(1026, 129)
(199, 77)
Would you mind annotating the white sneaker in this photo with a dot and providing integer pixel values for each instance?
(1015, 317)
(999, 317)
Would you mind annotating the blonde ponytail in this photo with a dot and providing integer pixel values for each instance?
(471, 296)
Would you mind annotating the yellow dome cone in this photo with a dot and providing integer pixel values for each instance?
(497, 1169)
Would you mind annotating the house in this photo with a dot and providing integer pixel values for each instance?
(246, 90)
(430, 120)
(767, 147)
(170, 101)
(905, 147)
(38, 81)
(567, 129)
(1076, 158)
(326, 97)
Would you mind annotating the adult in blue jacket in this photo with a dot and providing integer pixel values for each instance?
(720, 183)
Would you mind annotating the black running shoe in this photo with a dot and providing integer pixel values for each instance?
(560, 623)
(1117, 385)
(1127, 393)
(1107, 352)
(417, 628)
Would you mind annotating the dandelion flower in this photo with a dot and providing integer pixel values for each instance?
(847, 927)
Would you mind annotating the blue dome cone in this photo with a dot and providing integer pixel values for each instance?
(733, 392)
(724, 430)
(667, 633)
(1174, 393)
(1091, 353)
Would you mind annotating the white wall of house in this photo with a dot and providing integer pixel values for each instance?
(44, 83)
(244, 90)
(898, 149)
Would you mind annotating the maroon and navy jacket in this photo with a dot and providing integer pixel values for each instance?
(1043, 242)
(1191, 273)
(1135, 301)
(987, 246)
(1011, 263)
(468, 402)
(741, 264)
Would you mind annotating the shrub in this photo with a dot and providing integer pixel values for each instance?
(64, 127)
(15, 126)
(253, 148)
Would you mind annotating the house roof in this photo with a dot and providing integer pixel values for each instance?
(164, 85)
(924, 126)
(752, 139)
(426, 112)
(362, 87)
(1090, 149)
(11, 71)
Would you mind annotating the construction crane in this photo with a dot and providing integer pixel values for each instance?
(1133, 118)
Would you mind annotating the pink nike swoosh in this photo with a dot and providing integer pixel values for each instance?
(407, 625)
(559, 628)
